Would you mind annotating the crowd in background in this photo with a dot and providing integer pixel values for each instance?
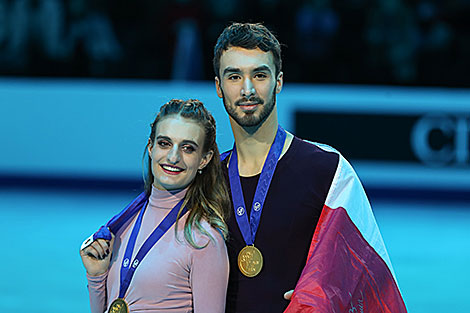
(402, 42)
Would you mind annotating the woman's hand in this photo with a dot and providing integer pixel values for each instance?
(97, 256)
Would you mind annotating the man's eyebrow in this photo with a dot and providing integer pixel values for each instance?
(231, 70)
(262, 68)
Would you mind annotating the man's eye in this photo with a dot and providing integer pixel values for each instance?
(234, 77)
(261, 76)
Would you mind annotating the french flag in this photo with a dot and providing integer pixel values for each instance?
(348, 269)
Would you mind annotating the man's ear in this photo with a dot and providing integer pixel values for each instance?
(279, 82)
(218, 88)
(150, 147)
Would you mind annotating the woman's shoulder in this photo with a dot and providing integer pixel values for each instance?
(208, 234)
(202, 233)
(212, 251)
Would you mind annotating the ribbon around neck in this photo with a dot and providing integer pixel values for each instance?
(249, 227)
(128, 267)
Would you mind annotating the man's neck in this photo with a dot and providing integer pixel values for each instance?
(253, 144)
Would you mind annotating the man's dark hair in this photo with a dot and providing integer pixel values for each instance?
(248, 36)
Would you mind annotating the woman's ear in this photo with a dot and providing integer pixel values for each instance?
(206, 159)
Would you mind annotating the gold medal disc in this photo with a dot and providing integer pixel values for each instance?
(119, 306)
(250, 261)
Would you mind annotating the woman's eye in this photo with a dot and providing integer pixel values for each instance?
(188, 149)
(163, 143)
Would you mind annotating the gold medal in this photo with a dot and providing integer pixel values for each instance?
(119, 306)
(250, 261)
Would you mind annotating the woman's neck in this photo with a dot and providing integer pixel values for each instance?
(166, 199)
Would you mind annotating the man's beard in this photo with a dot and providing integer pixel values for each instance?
(250, 119)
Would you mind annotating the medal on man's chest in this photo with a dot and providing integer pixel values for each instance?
(250, 261)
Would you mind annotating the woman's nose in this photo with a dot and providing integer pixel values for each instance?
(173, 155)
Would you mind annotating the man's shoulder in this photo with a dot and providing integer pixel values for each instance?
(313, 151)
(303, 151)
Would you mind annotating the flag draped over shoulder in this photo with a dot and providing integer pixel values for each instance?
(348, 269)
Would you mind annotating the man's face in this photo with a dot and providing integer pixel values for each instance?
(248, 85)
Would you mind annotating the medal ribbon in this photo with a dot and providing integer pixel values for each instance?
(128, 268)
(115, 223)
(249, 228)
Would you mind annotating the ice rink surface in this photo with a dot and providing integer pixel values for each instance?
(429, 245)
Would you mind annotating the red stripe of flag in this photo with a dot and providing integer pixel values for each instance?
(343, 273)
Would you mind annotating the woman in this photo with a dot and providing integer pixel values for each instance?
(183, 265)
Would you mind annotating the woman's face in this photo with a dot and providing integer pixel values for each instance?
(176, 153)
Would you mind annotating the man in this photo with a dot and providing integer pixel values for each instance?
(281, 186)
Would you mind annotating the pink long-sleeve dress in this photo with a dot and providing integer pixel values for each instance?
(174, 276)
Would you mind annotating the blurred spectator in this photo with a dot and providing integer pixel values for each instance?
(14, 50)
(47, 28)
(392, 37)
(316, 25)
(37, 40)
(187, 56)
(183, 23)
(272, 13)
(91, 36)
(419, 42)
(348, 57)
(47, 37)
(436, 38)
(33, 35)
(3, 23)
(221, 14)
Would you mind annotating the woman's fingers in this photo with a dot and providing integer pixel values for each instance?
(92, 252)
(104, 247)
(99, 249)
(96, 255)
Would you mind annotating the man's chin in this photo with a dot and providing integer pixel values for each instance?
(249, 118)
(249, 121)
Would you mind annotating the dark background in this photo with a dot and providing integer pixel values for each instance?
(392, 42)
(388, 136)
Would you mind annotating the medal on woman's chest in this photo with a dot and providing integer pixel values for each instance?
(119, 306)
(250, 259)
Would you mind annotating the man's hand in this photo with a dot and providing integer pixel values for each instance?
(288, 295)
